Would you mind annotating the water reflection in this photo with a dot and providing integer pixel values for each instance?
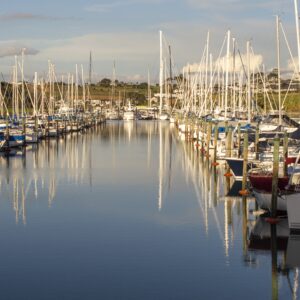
(180, 212)
(284, 249)
(41, 167)
(212, 188)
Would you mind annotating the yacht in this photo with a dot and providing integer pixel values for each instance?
(163, 116)
(129, 113)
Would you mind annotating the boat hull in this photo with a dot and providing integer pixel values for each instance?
(236, 166)
(264, 182)
(16, 140)
(128, 116)
(264, 201)
(32, 137)
(293, 209)
(163, 117)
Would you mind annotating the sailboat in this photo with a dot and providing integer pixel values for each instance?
(163, 116)
(293, 198)
(113, 114)
(129, 114)
(31, 132)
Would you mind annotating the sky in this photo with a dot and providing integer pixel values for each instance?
(126, 31)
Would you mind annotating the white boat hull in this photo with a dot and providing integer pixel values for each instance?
(293, 209)
(264, 201)
(267, 127)
(163, 117)
(52, 132)
(128, 116)
(32, 138)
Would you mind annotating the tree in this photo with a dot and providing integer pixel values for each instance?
(273, 75)
(105, 82)
(143, 85)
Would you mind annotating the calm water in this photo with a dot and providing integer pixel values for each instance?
(128, 211)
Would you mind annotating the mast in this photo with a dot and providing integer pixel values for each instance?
(248, 83)
(35, 94)
(223, 83)
(13, 91)
(113, 85)
(50, 88)
(264, 85)
(83, 87)
(253, 89)
(171, 79)
(227, 72)
(241, 76)
(234, 78)
(1, 101)
(149, 90)
(219, 84)
(166, 92)
(68, 91)
(62, 87)
(211, 81)
(206, 71)
(23, 89)
(16, 89)
(297, 31)
(72, 92)
(76, 88)
(278, 66)
(43, 97)
(161, 72)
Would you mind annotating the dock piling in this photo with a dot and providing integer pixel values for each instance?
(244, 191)
(275, 177)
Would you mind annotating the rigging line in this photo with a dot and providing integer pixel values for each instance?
(263, 81)
(288, 45)
(244, 69)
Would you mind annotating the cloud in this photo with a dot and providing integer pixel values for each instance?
(293, 64)
(135, 78)
(234, 4)
(8, 49)
(132, 56)
(256, 62)
(29, 17)
(123, 45)
(110, 6)
(212, 3)
(105, 7)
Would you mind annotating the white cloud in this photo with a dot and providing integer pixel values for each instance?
(110, 6)
(105, 7)
(8, 49)
(17, 16)
(256, 62)
(236, 4)
(132, 52)
(135, 78)
(293, 65)
(105, 46)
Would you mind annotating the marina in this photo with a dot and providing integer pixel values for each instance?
(152, 158)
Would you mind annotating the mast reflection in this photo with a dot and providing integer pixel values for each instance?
(22, 181)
